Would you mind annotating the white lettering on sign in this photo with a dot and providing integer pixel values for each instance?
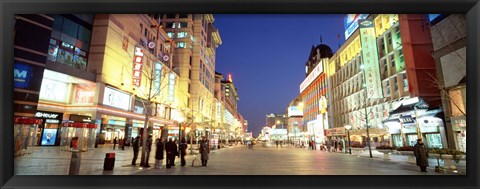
(46, 115)
(138, 51)
(312, 76)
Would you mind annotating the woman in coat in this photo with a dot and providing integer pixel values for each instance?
(204, 150)
(182, 148)
(159, 153)
(421, 154)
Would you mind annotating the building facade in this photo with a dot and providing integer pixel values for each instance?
(197, 40)
(449, 44)
(376, 81)
(314, 93)
(295, 127)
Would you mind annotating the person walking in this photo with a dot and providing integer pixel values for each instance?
(148, 149)
(204, 151)
(136, 147)
(121, 144)
(171, 149)
(159, 153)
(182, 149)
(421, 154)
(335, 143)
(114, 142)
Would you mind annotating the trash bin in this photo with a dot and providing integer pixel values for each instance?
(109, 162)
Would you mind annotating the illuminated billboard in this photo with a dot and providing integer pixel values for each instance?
(370, 58)
(312, 76)
(116, 99)
(351, 24)
(294, 111)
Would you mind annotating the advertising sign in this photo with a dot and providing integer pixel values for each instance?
(138, 106)
(158, 77)
(49, 137)
(53, 90)
(137, 66)
(294, 111)
(21, 75)
(116, 99)
(171, 87)
(47, 115)
(370, 58)
(84, 94)
(312, 76)
(351, 24)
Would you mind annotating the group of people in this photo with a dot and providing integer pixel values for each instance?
(171, 149)
(121, 143)
(332, 145)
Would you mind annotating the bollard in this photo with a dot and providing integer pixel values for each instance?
(109, 161)
(74, 163)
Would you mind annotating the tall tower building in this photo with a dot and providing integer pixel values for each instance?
(197, 40)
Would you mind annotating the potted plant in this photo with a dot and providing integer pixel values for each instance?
(386, 150)
(448, 155)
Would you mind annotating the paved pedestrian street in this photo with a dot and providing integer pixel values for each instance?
(264, 159)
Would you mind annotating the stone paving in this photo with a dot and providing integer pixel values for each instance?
(264, 159)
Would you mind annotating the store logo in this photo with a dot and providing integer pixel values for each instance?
(366, 23)
(46, 115)
(21, 75)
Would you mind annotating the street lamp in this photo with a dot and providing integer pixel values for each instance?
(362, 67)
(348, 127)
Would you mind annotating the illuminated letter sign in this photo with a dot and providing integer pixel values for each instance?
(312, 76)
(370, 58)
(137, 66)
(21, 75)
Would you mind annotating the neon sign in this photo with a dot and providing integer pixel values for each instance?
(137, 66)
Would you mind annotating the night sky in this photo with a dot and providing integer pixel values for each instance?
(266, 55)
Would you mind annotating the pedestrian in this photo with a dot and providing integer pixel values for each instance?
(171, 149)
(148, 148)
(114, 142)
(421, 154)
(159, 153)
(276, 142)
(204, 151)
(121, 144)
(135, 150)
(182, 149)
(335, 145)
(329, 147)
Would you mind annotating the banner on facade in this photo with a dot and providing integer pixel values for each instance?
(370, 58)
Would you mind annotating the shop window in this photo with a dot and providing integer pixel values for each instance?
(405, 82)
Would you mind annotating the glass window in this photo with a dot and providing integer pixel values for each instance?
(170, 25)
(182, 34)
(182, 25)
(170, 34)
(181, 45)
(405, 82)
(170, 15)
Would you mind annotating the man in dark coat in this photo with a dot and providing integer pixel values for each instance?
(182, 148)
(204, 150)
(171, 149)
(159, 153)
(135, 150)
(148, 149)
(421, 154)
(114, 142)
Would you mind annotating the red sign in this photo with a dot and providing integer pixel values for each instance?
(137, 66)
(85, 94)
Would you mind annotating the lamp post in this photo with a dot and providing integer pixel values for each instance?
(366, 114)
(348, 127)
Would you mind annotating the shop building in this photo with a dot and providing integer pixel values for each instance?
(295, 119)
(130, 52)
(314, 93)
(197, 40)
(378, 71)
(449, 44)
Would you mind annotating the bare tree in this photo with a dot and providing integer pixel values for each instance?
(446, 94)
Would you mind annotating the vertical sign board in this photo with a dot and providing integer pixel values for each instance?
(137, 66)
(370, 58)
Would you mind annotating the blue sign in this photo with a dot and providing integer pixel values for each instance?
(49, 137)
(351, 24)
(21, 75)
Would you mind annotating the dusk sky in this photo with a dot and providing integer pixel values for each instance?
(266, 55)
